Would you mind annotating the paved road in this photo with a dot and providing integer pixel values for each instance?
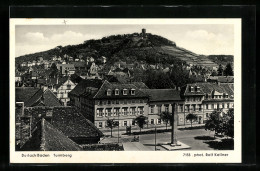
(185, 136)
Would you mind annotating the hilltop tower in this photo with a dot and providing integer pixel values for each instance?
(143, 32)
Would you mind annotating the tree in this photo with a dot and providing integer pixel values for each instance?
(228, 123)
(141, 121)
(214, 122)
(191, 117)
(220, 70)
(228, 70)
(166, 117)
(111, 124)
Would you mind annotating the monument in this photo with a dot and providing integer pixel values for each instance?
(175, 144)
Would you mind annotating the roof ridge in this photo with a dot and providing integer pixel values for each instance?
(33, 96)
(52, 94)
(101, 87)
(42, 145)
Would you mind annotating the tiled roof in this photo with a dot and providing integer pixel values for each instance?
(66, 119)
(140, 85)
(79, 64)
(102, 92)
(83, 84)
(47, 138)
(163, 94)
(226, 79)
(40, 98)
(22, 94)
(229, 88)
(206, 88)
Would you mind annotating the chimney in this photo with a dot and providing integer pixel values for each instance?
(25, 129)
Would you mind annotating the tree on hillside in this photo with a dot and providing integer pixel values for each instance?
(214, 73)
(111, 124)
(141, 121)
(166, 117)
(220, 70)
(191, 117)
(228, 70)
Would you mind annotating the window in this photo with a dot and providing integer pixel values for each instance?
(227, 105)
(133, 122)
(124, 91)
(109, 111)
(100, 124)
(152, 109)
(141, 101)
(125, 101)
(199, 107)
(207, 106)
(117, 101)
(108, 102)
(109, 92)
(166, 108)
(159, 121)
(223, 105)
(159, 109)
(116, 92)
(68, 87)
(207, 115)
(191, 89)
(181, 108)
(152, 121)
(198, 89)
(125, 111)
(116, 111)
(212, 106)
(133, 101)
(132, 91)
(125, 123)
(133, 110)
(207, 96)
(141, 110)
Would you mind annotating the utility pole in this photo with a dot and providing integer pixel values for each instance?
(155, 138)
(118, 128)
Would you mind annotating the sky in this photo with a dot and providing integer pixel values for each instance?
(206, 39)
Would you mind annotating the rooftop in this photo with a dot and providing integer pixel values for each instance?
(163, 94)
(47, 138)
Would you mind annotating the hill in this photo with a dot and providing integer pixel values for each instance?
(144, 47)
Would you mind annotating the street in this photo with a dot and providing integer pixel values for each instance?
(195, 138)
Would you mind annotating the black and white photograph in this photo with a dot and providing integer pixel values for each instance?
(124, 87)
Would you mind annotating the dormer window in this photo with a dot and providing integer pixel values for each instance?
(109, 92)
(132, 91)
(191, 89)
(124, 91)
(116, 91)
(198, 89)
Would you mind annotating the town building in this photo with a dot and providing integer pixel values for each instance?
(80, 88)
(202, 99)
(66, 69)
(122, 102)
(162, 100)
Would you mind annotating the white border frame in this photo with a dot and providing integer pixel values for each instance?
(234, 156)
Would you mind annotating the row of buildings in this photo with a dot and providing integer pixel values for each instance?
(99, 100)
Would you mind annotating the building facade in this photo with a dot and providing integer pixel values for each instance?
(202, 99)
(121, 102)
